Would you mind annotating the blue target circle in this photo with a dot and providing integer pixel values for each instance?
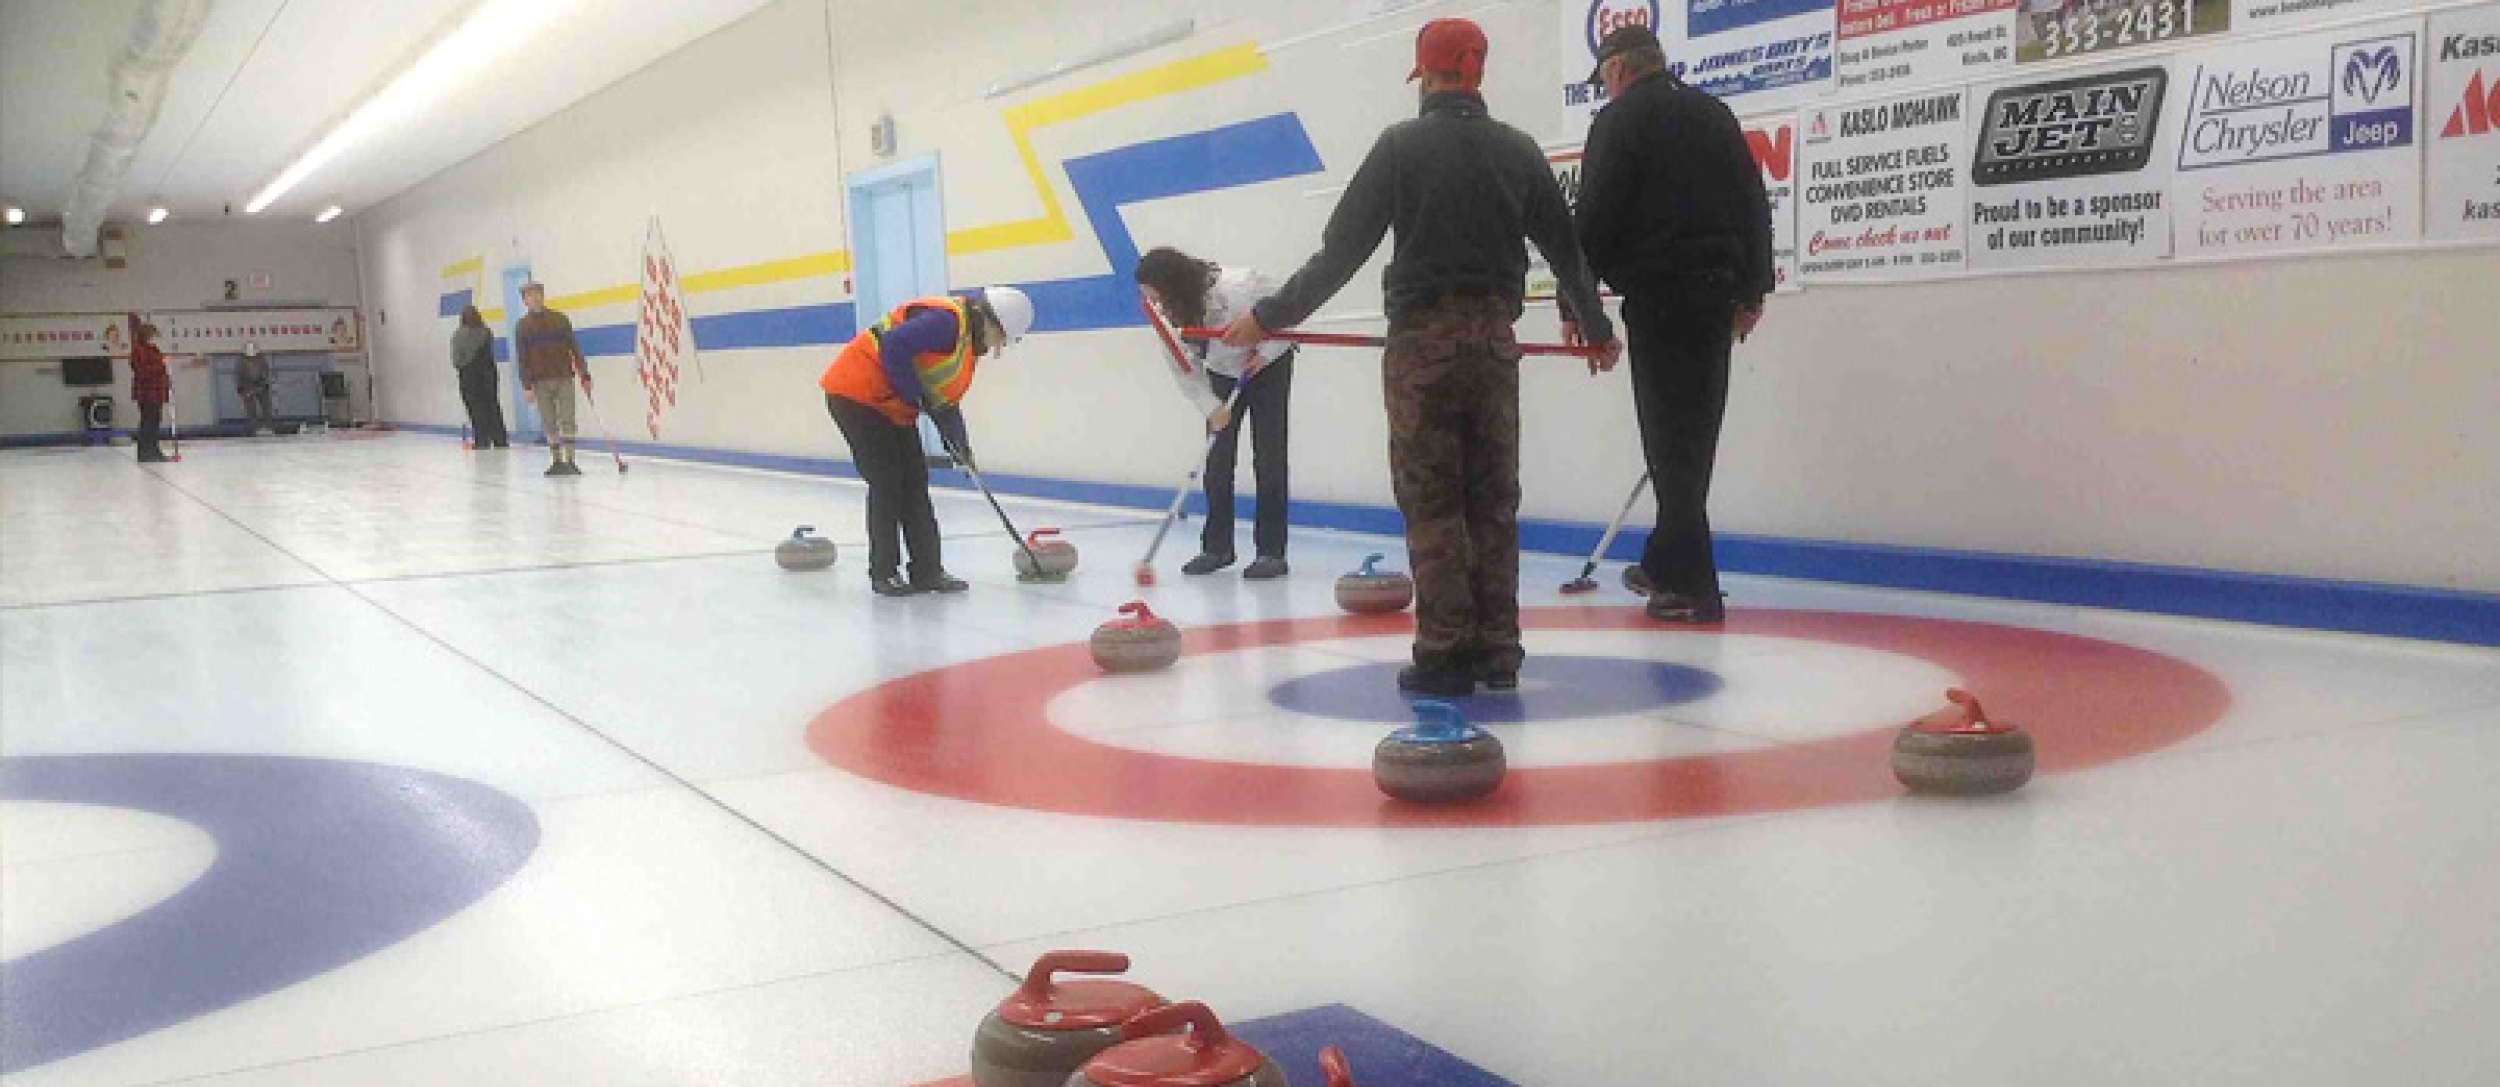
(1550, 689)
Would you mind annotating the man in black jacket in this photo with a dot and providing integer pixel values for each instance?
(1465, 194)
(1672, 213)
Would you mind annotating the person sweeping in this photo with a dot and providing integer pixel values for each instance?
(1197, 293)
(919, 358)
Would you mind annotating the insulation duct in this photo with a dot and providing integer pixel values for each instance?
(160, 36)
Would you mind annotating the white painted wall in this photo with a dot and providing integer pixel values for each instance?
(185, 266)
(174, 266)
(2324, 417)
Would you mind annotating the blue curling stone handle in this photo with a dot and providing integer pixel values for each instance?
(1437, 723)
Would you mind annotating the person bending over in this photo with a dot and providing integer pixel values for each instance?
(920, 358)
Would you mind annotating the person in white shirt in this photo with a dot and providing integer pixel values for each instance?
(1197, 293)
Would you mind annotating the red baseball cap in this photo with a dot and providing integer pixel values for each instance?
(1450, 45)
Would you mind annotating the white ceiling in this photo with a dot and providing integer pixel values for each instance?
(268, 77)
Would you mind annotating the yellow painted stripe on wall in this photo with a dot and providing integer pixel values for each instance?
(755, 275)
(1052, 226)
(604, 296)
(492, 317)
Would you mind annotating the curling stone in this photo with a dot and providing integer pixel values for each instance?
(1046, 1030)
(1156, 1053)
(805, 551)
(1057, 556)
(1441, 760)
(1143, 642)
(1958, 751)
(1373, 591)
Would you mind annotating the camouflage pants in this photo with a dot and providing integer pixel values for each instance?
(1452, 377)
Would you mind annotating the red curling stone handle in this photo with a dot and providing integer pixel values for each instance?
(1037, 983)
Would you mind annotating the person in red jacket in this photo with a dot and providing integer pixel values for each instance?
(151, 385)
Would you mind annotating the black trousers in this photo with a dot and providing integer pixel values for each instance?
(890, 459)
(151, 419)
(1264, 404)
(485, 404)
(1680, 343)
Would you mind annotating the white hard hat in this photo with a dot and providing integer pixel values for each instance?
(1013, 309)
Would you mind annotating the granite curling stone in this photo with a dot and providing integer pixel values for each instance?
(1047, 1029)
(805, 551)
(1373, 591)
(1958, 751)
(1140, 642)
(1441, 760)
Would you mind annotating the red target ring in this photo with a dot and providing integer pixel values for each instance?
(979, 731)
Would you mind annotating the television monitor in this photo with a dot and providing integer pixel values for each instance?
(86, 373)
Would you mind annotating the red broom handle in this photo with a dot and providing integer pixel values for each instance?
(1171, 346)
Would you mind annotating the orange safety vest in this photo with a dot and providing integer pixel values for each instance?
(858, 373)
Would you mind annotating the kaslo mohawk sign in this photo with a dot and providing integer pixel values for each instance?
(663, 336)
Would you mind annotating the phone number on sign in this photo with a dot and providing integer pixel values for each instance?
(2085, 27)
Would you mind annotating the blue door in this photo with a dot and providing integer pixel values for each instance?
(898, 246)
(222, 391)
(525, 423)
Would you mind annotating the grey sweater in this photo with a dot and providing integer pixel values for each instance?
(472, 347)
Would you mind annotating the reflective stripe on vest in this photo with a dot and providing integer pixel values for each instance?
(946, 378)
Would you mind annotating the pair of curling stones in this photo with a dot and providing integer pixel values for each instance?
(1374, 591)
(1141, 642)
(1045, 557)
(1440, 760)
(1101, 1032)
(805, 551)
(1959, 751)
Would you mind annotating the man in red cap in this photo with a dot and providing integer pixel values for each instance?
(1464, 193)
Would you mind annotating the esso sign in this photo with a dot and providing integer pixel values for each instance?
(1608, 16)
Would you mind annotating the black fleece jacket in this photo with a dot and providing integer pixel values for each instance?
(1671, 199)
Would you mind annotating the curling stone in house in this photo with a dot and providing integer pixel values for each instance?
(1440, 760)
(1958, 751)
(1047, 1029)
(1179, 1045)
(805, 550)
(1373, 591)
(1142, 642)
(1056, 556)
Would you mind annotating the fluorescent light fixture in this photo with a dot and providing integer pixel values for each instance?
(15, 215)
(329, 213)
(482, 40)
(157, 215)
(1121, 50)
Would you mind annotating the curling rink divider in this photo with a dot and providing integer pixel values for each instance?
(2347, 607)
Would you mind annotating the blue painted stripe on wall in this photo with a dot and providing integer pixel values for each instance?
(454, 302)
(799, 326)
(1250, 153)
(1267, 149)
(2351, 607)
